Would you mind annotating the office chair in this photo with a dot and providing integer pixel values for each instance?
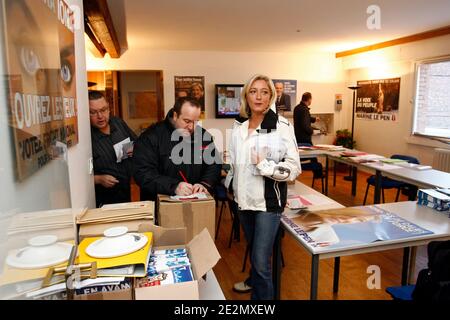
(387, 183)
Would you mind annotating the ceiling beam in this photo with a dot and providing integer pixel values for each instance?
(415, 37)
(99, 21)
(100, 50)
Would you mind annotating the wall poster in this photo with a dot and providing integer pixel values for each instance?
(286, 94)
(378, 99)
(40, 76)
(191, 86)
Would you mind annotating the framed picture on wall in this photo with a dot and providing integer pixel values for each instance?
(142, 105)
(286, 94)
(228, 99)
(191, 86)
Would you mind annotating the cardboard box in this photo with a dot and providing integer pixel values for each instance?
(92, 223)
(202, 253)
(195, 215)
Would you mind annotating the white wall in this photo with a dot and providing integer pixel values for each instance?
(319, 73)
(387, 138)
(81, 182)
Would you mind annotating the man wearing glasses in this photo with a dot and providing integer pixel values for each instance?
(112, 148)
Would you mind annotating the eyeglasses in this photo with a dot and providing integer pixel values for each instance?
(102, 111)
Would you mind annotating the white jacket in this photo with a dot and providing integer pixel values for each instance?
(263, 187)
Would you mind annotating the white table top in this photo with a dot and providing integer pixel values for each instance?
(427, 218)
(422, 178)
(210, 289)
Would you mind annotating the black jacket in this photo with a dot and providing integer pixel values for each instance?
(156, 172)
(302, 124)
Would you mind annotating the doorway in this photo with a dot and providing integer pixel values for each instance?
(135, 96)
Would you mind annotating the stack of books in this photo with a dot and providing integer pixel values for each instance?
(438, 199)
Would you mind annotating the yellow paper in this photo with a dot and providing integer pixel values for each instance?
(139, 258)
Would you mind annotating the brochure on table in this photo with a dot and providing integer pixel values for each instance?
(349, 227)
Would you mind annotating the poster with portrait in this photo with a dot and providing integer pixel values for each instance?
(286, 94)
(378, 99)
(347, 227)
(191, 86)
(40, 74)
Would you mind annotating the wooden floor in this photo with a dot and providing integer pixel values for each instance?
(296, 274)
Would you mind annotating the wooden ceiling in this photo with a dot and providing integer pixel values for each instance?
(100, 28)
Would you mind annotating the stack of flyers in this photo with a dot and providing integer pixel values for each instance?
(177, 275)
(169, 251)
(164, 260)
(165, 264)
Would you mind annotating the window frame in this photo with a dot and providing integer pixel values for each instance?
(445, 58)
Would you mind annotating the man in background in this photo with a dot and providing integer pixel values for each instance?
(303, 120)
(112, 148)
(304, 131)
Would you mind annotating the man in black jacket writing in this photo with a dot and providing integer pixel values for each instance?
(176, 156)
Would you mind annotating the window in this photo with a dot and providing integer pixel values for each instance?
(432, 103)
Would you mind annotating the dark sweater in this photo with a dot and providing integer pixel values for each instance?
(302, 124)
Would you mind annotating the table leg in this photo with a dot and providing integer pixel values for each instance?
(412, 265)
(355, 177)
(334, 173)
(314, 276)
(405, 266)
(337, 266)
(377, 194)
(276, 265)
(412, 196)
(326, 175)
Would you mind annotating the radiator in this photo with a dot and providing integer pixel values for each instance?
(441, 159)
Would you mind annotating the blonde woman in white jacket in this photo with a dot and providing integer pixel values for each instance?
(264, 157)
